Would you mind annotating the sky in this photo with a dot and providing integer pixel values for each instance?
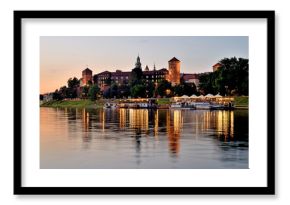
(63, 57)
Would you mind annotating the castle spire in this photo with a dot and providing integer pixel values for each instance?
(138, 62)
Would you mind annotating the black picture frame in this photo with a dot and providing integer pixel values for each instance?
(269, 189)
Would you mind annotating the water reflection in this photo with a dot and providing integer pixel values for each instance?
(190, 136)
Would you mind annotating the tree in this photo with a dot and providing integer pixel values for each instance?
(150, 87)
(93, 91)
(63, 92)
(136, 76)
(184, 89)
(107, 93)
(164, 88)
(124, 90)
(206, 83)
(85, 91)
(73, 84)
(114, 90)
(231, 78)
(138, 90)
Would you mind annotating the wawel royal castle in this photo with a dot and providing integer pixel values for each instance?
(172, 74)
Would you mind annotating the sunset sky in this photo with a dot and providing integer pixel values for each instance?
(62, 57)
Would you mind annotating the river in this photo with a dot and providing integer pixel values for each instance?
(143, 139)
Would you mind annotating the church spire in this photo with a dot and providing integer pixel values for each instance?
(138, 62)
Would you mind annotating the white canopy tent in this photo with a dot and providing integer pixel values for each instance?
(193, 96)
(209, 95)
(218, 96)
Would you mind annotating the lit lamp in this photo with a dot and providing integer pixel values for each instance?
(167, 91)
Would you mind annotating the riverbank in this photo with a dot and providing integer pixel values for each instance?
(73, 104)
(241, 102)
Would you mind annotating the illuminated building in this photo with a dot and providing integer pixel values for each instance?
(87, 77)
(173, 71)
(119, 77)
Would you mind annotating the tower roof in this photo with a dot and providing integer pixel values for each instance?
(174, 59)
(146, 68)
(87, 70)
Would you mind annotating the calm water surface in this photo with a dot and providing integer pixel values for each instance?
(145, 139)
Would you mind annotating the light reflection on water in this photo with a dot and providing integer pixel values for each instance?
(141, 138)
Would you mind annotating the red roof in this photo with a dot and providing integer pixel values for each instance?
(217, 64)
(174, 59)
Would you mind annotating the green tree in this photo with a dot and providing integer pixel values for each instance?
(150, 88)
(136, 76)
(184, 89)
(73, 83)
(93, 91)
(164, 88)
(85, 91)
(63, 92)
(206, 83)
(233, 76)
(138, 90)
(124, 90)
(114, 91)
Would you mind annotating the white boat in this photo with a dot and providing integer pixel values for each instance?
(208, 106)
(203, 106)
(176, 105)
(181, 105)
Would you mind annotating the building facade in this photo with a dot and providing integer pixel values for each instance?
(190, 78)
(119, 77)
(87, 77)
(174, 71)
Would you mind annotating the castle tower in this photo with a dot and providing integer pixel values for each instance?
(174, 71)
(87, 75)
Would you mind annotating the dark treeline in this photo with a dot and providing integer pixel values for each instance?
(73, 90)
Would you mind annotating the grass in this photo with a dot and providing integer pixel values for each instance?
(242, 101)
(73, 104)
(163, 101)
